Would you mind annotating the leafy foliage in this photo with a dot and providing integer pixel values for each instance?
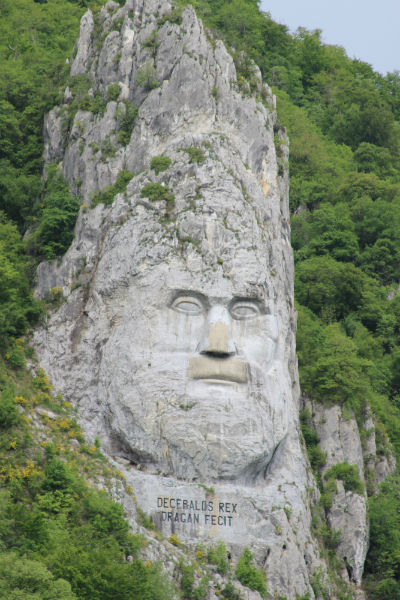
(126, 121)
(218, 556)
(157, 192)
(113, 91)
(107, 195)
(230, 592)
(24, 579)
(196, 155)
(60, 208)
(146, 77)
(348, 474)
(35, 40)
(58, 537)
(248, 574)
(343, 123)
(316, 456)
(383, 559)
(160, 163)
(17, 306)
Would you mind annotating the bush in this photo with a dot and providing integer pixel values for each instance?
(18, 308)
(308, 430)
(95, 104)
(152, 43)
(160, 163)
(107, 195)
(9, 413)
(173, 16)
(230, 592)
(55, 231)
(348, 474)
(57, 476)
(126, 122)
(218, 556)
(196, 155)
(248, 574)
(187, 579)
(113, 91)
(146, 77)
(383, 559)
(157, 192)
(24, 579)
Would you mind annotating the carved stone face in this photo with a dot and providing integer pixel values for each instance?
(201, 358)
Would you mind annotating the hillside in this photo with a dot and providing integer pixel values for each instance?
(342, 122)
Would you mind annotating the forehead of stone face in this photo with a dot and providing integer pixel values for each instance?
(207, 257)
(220, 239)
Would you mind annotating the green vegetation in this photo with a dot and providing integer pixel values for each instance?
(157, 192)
(126, 122)
(55, 231)
(343, 124)
(18, 309)
(315, 454)
(383, 560)
(173, 16)
(152, 43)
(35, 40)
(190, 591)
(160, 163)
(113, 91)
(196, 155)
(230, 592)
(27, 579)
(348, 474)
(58, 537)
(107, 195)
(218, 556)
(146, 77)
(248, 574)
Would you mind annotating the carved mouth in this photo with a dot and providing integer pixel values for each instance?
(218, 370)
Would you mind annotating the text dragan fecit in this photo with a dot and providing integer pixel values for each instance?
(185, 510)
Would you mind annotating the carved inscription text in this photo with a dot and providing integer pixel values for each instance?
(207, 512)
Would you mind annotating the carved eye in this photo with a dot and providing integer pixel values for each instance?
(244, 310)
(189, 305)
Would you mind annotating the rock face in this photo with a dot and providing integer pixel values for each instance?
(176, 337)
(340, 439)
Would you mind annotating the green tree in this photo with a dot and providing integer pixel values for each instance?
(17, 306)
(25, 579)
(331, 289)
(249, 575)
(55, 231)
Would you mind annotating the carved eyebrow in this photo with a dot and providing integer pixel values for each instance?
(189, 294)
(189, 305)
(249, 300)
(207, 303)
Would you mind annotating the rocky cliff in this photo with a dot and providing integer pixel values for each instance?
(175, 340)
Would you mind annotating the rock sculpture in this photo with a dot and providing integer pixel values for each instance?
(176, 342)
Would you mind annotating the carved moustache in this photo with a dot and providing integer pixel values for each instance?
(223, 369)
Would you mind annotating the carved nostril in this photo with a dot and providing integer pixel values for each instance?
(217, 353)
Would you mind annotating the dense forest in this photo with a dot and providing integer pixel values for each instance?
(343, 121)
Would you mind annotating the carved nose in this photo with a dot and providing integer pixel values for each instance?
(217, 338)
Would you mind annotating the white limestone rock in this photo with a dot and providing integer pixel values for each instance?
(176, 338)
(340, 440)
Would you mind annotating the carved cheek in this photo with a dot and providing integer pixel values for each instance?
(180, 332)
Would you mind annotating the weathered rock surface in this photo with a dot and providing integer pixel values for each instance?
(340, 439)
(176, 337)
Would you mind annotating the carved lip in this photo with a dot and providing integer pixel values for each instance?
(218, 369)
